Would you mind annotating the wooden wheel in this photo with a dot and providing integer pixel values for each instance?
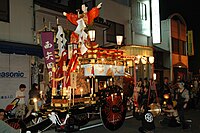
(113, 111)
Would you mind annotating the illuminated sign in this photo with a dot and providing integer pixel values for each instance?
(103, 70)
(155, 21)
(142, 21)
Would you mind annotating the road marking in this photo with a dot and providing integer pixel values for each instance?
(99, 124)
(92, 126)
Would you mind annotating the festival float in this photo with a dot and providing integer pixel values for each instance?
(87, 81)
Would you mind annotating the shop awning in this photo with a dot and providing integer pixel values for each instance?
(159, 67)
(180, 65)
(134, 50)
(21, 48)
(160, 49)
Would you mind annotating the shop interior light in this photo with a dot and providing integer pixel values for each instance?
(91, 34)
(154, 76)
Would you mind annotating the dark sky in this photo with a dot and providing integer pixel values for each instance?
(190, 10)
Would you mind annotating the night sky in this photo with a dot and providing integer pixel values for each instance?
(190, 11)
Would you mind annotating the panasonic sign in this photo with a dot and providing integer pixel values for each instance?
(17, 74)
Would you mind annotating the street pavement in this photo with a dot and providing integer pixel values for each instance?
(131, 125)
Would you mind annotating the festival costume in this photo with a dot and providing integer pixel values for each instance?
(21, 107)
(88, 19)
(182, 99)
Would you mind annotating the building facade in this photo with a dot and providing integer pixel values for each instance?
(174, 48)
(24, 20)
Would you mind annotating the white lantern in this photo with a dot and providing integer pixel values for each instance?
(151, 59)
(137, 59)
(119, 39)
(91, 34)
(144, 60)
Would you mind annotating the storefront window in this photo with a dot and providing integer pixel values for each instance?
(178, 46)
(175, 45)
(182, 48)
(115, 29)
(4, 10)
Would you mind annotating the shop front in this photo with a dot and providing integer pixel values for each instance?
(180, 67)
(15, 69)
(142, 63)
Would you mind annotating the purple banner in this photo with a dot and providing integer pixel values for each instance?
(48, 50)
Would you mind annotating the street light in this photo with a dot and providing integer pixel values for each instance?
(91, 34)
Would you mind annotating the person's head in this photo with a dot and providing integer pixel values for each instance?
(145, 89)
(22, 87)
(35, 86)
(2, 114)
(140, 80)
(49, 84)
(169, 106)
(139, 83)
(166, 79)
(179, 79)
(181, 85)
(84, 8)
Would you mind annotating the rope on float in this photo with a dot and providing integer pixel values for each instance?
(55, 119)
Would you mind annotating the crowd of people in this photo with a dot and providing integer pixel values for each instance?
(173, 99)
(181, 95)
(24, 108)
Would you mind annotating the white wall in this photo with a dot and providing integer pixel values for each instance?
(9, 84)
(140, 40)
(21, 22)
(110, 10)
(122, 14)
(165, 32)
(50, 18)
(118, 13)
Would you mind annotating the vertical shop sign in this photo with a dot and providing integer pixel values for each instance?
(48, 50)
(190, 43)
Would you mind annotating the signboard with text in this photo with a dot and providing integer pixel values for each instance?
(73, 79)
(14, 70)
(103, 70)
(48, 50)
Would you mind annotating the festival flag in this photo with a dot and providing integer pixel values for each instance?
(61, 40)
(82, 35)
(48, 50)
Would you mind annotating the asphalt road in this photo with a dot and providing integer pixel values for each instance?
(131, 125)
